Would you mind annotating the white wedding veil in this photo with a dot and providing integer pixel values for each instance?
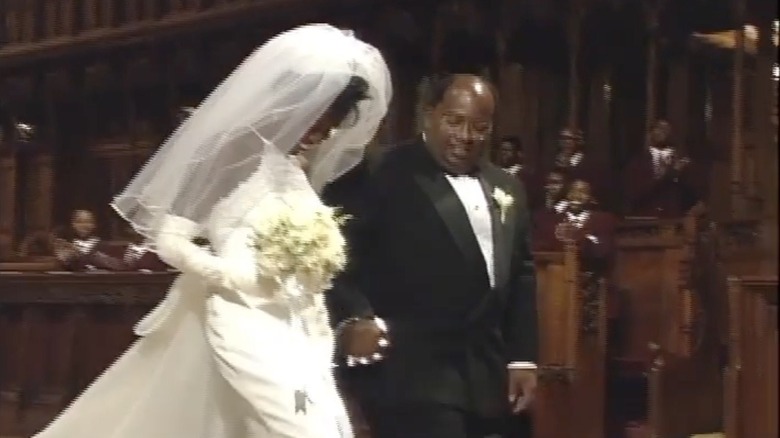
(270, 101)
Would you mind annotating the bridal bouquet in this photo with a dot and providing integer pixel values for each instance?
(301, 242)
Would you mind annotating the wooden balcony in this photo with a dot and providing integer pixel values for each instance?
(36, 29)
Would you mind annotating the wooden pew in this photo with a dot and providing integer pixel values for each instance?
(58, 331)
(750, 378)
(666, 366)
(572, 322)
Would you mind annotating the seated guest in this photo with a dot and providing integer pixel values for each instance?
(548, 212)
(660, 181)
(592, 230)
(511, 158)
(80, 249)
(553, 194)
(572, 159)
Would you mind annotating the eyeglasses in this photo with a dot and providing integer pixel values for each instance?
(477, 129)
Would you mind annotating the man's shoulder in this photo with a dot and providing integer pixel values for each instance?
(399, 153)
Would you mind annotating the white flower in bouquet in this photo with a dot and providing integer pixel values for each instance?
(299, 241)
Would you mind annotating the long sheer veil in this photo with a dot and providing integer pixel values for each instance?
(269, 101)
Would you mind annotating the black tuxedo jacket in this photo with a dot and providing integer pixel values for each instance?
(414, 261)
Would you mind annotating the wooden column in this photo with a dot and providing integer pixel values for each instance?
(38, 209)
(67, 17)
(765, 129)
(439, 24)
(12, 21)
(678, 102)
(598, 129)
(652, 10)
(51, 14)
(107, 17)
(89, 15)
(574, 35)
(736, 192)
(8, 201)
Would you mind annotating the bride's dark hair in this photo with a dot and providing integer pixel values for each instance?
(344, 108)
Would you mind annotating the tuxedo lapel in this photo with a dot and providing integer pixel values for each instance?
(432, 181)
(453, 214)
(503, 231)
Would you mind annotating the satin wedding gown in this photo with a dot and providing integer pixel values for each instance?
(218, 358)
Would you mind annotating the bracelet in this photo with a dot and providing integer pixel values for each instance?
(383, 341)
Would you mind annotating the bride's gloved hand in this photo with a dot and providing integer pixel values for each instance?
(362, 341)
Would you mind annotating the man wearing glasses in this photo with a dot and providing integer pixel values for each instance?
(437, 310)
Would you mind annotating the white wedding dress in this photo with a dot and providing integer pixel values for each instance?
(219, 357)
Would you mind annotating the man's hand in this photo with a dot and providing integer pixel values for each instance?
(361, 338)
(522, 386)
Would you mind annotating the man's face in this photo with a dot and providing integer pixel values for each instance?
(508, 155)
(458, 129)
(554, 185)
(568, 143)
(579, 196)
(83, 223)
(659, 135)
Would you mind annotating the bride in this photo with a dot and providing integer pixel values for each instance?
(241, 346)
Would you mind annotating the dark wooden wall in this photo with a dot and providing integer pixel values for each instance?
(102, 85)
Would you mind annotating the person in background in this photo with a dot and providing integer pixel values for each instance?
(554, 193)
(591, 229)
(510, 156)
(661, 181)
(576, 163)
(80, 249)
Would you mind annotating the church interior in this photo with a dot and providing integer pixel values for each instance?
(657, 118)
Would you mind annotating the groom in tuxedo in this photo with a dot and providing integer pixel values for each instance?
(439, 251)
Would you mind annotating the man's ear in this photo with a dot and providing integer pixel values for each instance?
(427, 116)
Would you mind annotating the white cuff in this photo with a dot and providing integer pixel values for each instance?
(592, 238)
(521, 366)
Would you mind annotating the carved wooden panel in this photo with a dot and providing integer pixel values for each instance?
(89, 14)
(572, 348)
(51, 15)
(29, 17)
(151, 10)
(38, 213)
(12, 25)
(132, 11)
(61, 331)
(67, 17)
(751, 374)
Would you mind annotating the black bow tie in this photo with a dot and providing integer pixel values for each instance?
(472, 174)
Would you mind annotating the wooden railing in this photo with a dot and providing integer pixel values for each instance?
(750, 377)
(58, 332)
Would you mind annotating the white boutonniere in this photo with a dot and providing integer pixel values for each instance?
(504, 201)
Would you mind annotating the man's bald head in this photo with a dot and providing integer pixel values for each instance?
(459, 120)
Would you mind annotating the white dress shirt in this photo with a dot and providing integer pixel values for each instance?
(661, 159)
(575, 159)
(472, 196)
(474, 199)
